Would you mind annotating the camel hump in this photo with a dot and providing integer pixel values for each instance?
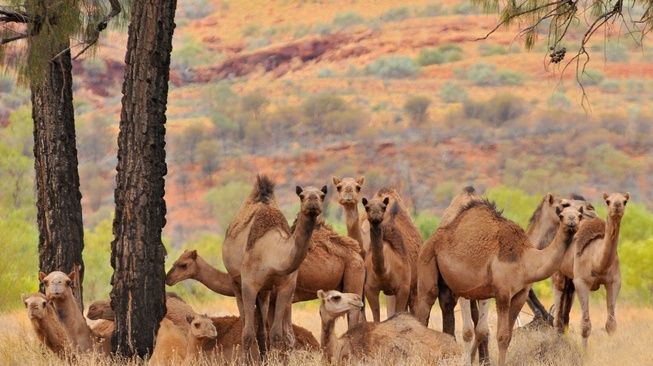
(587, 232)
(265, 219)
(469, 190)
(392, 236)
(264, 189)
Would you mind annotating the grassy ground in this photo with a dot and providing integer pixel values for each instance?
(629, 346)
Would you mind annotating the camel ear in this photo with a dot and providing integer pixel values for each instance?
(386, 201)
(189, 318)
(72, 275)
(23, 297)
(298, 190)
(627, 195)
(42, 276)
(321, 294)
(364, 200)
(360, 180)
(335, 180)
(550, 198)
(193, 254)
(605, 196)
(324, 189)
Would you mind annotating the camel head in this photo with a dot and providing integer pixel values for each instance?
(311, 200)
(56, 283)
(616, 203)
(35, 304)
(201, 326)
(375, 209)
(184, 268)
(570, 216)
(579, 201)
(336, 303)
(348, 189)
(101, 309)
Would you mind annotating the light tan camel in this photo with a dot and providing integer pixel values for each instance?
(46, 324)
(171, 344)
(58, 289)
(387, 264)
(191, 265)
(481, 255)
(348, 190)
(261, 255)
(201, 332)
(395, 339)
(593, 261)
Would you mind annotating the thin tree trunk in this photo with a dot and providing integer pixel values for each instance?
(59, 216)
(138, 254)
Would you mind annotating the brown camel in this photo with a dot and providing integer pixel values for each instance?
(397, 338)
(58, 289)
(170, 345)
(191, 265)
(45, 321)
(388, 266)
(201, 332)
(348, 190)
(261, 255)
(593, 261)
(481, 255)
(541, 230)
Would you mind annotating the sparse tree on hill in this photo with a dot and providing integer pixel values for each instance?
(48, 27)
(417, 109)
(137, 251)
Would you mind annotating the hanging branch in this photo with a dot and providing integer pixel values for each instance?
(102, 25)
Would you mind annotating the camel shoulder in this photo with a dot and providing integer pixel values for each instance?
(265, 219)
(326, 238)
(588, 231)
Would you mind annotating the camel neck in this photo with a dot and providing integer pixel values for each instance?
(610, 242)
(353, 224)
(216, 280)
(543, 263)
(300, 240)
(73, 321)
(328, 337)
(376, 246)
(541, 235)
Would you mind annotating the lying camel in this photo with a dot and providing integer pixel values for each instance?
(171, 344)
(398, 337)
(45, 321)
(58, 289)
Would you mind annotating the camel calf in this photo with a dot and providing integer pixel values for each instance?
(45, 321)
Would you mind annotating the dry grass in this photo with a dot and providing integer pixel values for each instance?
(629, 346)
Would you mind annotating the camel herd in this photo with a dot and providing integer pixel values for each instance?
(473, 255)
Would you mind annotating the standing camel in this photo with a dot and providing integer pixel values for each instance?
(348, 190)
(593, 261)
(388, 266)
(481, 255)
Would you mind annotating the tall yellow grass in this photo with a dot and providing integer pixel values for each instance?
(529, 347)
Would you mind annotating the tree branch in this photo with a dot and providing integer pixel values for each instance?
(102, 25)
(11, 39)
(13, 16)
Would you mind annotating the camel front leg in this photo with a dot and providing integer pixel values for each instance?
(612, 291)
(372, 295)
(390, 305)
(504, 332)
(238, 293)
(583, 294)
(401, 300)
(249, 332)
(283, 317)
(447, 301)
(558, 285)
(427, 283)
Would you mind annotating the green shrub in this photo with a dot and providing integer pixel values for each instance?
(487, 49)
(591, 77)
(197, 9)
(612, 51)
(634, 89)
(452, 92)
(509, 77)
(416, 107)
(482, 74)
(326, 73)
(431, 56)
(7, 83)
(301, 30)
(251, 29)
(392, 67)
(464, 8)
(256, 43)
(610, 86)
(558, 100)
(495, 111)
(431, 10)
(347, 19)
(426, 223)
(396, 14)
(323, 29)
(94, 66)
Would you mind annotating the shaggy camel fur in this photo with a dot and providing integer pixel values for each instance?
(481, 255)
(591, 262)
(45, 321)
(261, 255)
(348, 190)
(58, 289)
(541, 230)
(387, 265)
(398, 337)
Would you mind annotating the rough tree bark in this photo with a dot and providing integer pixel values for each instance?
(137, 252)
(61, 231)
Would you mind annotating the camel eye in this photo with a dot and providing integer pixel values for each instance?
(590, 207)
(565, 204)
(25, 303)
(197, 325)
(625, 203)
(301, 197)
(183, 266)
(339, 188)
(358, 188)
(68, 283)
(608, 202)
(336, 298)
(92, 307)
(43, 304)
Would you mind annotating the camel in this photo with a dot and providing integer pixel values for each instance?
(388, 266)
(58, 289)
(593, 261)
(191, 265)
(45, 321)
(541, 230)
(399, 337)
(261, 255)
(228, 341)
(348, 190)
(201, 332)
(171, 344)
(481, 255)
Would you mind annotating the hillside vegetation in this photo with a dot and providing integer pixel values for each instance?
(304, 90)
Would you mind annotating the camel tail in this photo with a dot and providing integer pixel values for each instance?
(264, 189)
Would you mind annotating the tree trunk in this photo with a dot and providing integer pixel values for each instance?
(137, 252)
(59, 216)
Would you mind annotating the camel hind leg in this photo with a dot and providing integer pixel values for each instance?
(583, 294)
(474, 334)
(427, 282)
(558, 284)
(353, 281)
